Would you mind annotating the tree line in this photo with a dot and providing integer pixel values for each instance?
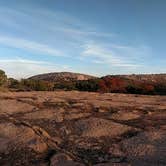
(103, 85)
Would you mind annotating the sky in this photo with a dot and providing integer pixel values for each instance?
(96, 37)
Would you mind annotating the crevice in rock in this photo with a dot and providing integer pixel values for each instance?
(44, 136)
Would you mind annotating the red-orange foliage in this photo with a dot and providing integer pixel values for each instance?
(148, 88)
(115, 84)
(102, 86)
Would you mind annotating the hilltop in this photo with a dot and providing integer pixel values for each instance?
(69, 76)
(137, 84)
(151, 78)
(62, 76)
(151, 84)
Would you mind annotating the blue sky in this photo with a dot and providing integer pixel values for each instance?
(97, 37)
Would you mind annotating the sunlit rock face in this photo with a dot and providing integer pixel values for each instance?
(62, 76)
(82, 128)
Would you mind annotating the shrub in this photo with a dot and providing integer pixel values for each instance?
(37, 85)
(133, 89)
(88, 85)
(160, 89)
(112, 84)
(3, 78)
(148, 89)
(103, 87)
(13, 83)
(65, 85)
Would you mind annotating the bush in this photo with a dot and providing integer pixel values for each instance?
(160, 89)
(103, 87)
(13, 83)
(37, 85)
(3, 78)
(112, 84)
(133, 89)
(65, 85)
(88, 85)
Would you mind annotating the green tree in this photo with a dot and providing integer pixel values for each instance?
(13, 83)
(3, 78)
(88, 85)
(36, 85)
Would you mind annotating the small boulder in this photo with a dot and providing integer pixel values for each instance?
(63, 160)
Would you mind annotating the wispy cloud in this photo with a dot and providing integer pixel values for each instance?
(58, 30)
(70, 25)
(103, 55)
(24, 68)
(82, 32)
(51, 33)
(49, 21)
(20, 60)
(29, 46)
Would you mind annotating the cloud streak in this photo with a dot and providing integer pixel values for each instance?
(103, 55)
(29, 46)
(67, 39)
(49, 21)
(24, 68)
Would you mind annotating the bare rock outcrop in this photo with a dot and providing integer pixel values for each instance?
(62, 76)
(82, 128)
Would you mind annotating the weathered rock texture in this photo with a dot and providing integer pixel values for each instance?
(62, 76)
(81, 128)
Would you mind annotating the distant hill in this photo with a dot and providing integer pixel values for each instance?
(150, 84)
(137, 84)
(146, 78)
(62, 77)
